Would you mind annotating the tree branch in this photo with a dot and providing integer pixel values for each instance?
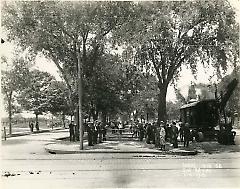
(63, 29)
(56, 62)
(156, 69)
(173, 70)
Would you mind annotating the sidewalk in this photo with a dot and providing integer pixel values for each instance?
(129, 145)
(16, 134)
(67, 147)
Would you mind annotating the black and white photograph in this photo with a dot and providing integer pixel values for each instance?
(120, 94)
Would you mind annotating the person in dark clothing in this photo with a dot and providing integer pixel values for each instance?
(186, 134)
(99, 129)
(71, 131)
(141, 132)
(134, 130)
(149, 134)
(90, 133)
(76, 133)
(174, 132)
(168, 132)
(181, 132)
(112, 126)
(145, 130)
(37, 126)
(154, 131)
(31, 126)
(157, 136)
(95, 132)
(104, 132)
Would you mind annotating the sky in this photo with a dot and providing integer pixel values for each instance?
(184, 81)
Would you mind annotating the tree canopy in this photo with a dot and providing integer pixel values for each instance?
(158, 38)
(13, 80)
(167, 35)
(34, 97)
(61, 30)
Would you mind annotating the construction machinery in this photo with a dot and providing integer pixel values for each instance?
(208, 119)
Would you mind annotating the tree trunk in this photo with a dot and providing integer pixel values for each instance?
(80, 122)
(36, 116)
(37, 123)
(76, 132)
(63, 120)
(104, 117)
(162, 115)
(10, 115)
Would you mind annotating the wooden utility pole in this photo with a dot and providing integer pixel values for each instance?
(80, 122)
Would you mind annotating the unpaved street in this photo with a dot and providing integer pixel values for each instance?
(29, 166)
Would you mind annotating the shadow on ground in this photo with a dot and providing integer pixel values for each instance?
(210, 147)
(14, 142)
(213, 147)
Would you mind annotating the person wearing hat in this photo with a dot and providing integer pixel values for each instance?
(174, 131)
(162, 135)
(186, 134)
(104, 131)
(100, 132)
(95, 132)
(181, 131)
(149, 133)
(157, 135)
(141, 132)
(71, 131)
(90, 133)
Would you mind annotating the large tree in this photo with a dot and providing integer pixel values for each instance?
(65, 32)
(34, 96)
(102, 87)
(71, 34)
(13, 80)
(145, 101)
(57, 98)
(168, 34)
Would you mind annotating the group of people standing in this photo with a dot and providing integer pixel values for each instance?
(96, 132)
(31, 126)
(72, 131)
(153, 133)
(159, 134)
(156, 134)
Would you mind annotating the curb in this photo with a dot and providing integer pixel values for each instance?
(30, 133)
(179, 152)
(27, 133)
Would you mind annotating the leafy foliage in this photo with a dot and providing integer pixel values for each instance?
(170, 34)
(159, 38)
(34, 97)
(12, 82)
(69, 33)
(233, 104)
(57, 98)
(173, 110)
